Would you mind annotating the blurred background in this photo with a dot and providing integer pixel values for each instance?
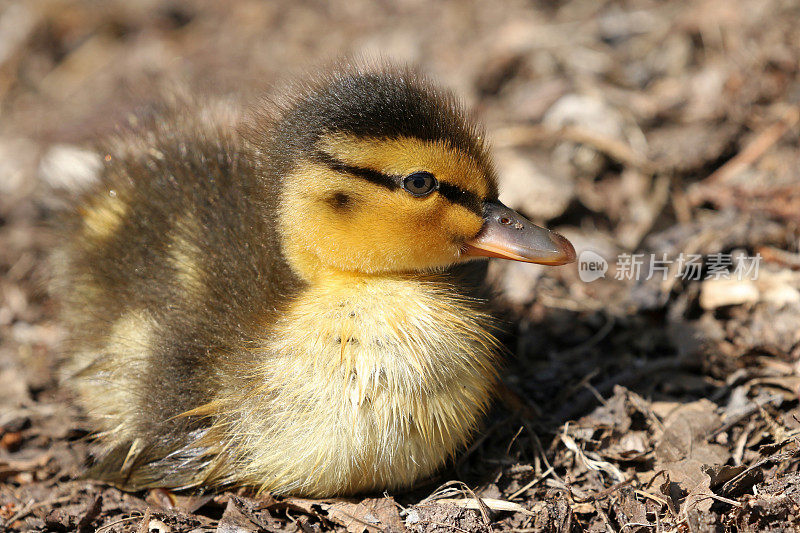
(660, 128)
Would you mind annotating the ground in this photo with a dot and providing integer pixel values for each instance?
(654, 134)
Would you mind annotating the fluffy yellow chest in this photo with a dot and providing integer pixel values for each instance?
(365, 383)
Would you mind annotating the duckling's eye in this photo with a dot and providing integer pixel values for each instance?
(420, 183)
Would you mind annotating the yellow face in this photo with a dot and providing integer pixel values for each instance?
(381, 205)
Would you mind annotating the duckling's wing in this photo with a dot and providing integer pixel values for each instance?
(169, 266)
(131, 466)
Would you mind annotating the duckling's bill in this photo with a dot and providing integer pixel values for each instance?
(508, 235)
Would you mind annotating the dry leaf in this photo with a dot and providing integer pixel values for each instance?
(379, 514)
(234, 519)
(682, 449)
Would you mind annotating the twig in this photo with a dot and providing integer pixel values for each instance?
(31, 506)
(532, 483)
(22, 512)
(607, 491)
(514, 438)
(463, 488)
(145, 520)
(721, 499)
(537, 134)
(711, 187)
(653, 497)
(755, 149)
(640, 524)
(778, 457)
(749, 411)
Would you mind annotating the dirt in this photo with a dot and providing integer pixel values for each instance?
(648, 132)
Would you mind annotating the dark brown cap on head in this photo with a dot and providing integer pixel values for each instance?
(385, 103)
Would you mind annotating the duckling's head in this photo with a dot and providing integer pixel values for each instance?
(379, 171)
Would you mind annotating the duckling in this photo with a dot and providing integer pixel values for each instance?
(287, 300)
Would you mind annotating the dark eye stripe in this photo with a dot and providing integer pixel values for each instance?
(450, 192)
(373, 176)
(459, 196)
